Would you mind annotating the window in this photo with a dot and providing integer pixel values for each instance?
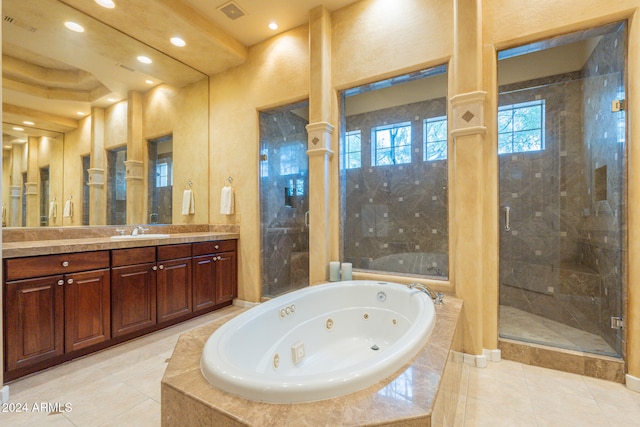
(521, 127)
(289, 159)
(162, 175)
(435, 138)
(353, 149)
(391, 144)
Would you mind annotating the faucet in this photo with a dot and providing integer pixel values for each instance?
(139, 229)
(437, 297)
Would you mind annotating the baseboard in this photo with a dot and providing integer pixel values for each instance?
(4, 392)
(633, 383)
(480, 360)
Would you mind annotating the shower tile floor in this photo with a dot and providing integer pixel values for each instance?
(520, 325)
(120, 387)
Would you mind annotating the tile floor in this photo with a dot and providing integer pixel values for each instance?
(520, 325)
(121, 387)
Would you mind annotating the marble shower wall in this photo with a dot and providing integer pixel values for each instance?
(562, 258)
(395, 217)
(284, 187)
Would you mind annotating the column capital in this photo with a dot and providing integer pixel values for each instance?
(31, 188)
(96, 177)
(468, 113)
(319, 139)
(134, 170)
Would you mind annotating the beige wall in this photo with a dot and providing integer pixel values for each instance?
(76, 144)
(276, 73)
(373, 40)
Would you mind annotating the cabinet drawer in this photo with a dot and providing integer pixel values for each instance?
(204, 248)
(120, 257)
(47, 265)
(174, 251)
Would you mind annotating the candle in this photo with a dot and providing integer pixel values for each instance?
(346, 271)
(334, 271)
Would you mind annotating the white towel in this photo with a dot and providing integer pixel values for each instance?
(4, 214)
(68, 209)
(226, 201)
(53, 210)
(188, 203)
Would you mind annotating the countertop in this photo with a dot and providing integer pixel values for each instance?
(48, 247)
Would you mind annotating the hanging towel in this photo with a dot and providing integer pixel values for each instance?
(53, 210)
(4, 214)
(68, 209)
(188, 203)
(226, 201)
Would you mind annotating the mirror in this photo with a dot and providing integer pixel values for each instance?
(73, 99)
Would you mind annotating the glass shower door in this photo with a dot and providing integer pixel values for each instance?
(284, 199)
(562, 150)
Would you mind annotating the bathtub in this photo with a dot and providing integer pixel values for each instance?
(319, 342)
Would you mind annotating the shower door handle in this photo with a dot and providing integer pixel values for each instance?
(507, 218)
(306, 219)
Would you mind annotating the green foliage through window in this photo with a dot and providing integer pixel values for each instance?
(521, 127)
(391, 144)
(435, 138)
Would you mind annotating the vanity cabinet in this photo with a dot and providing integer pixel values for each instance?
(174, 282)
(215, 267)
(48, 315)
(57, 307)
(133, 289)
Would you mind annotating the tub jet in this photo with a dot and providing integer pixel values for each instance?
(375, 347)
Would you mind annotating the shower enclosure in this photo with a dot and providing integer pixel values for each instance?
(562, 195)
(284, 199)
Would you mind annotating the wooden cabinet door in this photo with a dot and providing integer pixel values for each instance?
(133, 298)
(204, 288)
(174, 289)
(34, 320)
(87, 309)
(226, 276)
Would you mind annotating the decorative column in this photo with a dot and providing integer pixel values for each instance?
(468, 131)
(319, 143)
(134, 165)
(15, 207)
(31, 186)
(97, 193)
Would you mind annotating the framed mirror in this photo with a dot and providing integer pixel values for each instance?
(67, 104)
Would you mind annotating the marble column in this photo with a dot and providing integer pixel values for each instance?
(134, 164)
(468, 132)
(319, 143)
(97, 192)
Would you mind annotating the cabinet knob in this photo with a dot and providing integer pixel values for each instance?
(219, 257)
(161, 267)
(60, 282)
(65, 263)
(70, 281)
(154, 268)
(217, 247)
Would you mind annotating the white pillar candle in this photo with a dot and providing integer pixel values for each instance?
(334, 271)
(346, 271)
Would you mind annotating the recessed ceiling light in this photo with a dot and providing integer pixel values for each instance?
(80, 113)
(7, 147)
(111, 99)
(144, 59)
(28, 123)
(109, 4)
(149, 82)
(273, 26)
(177, 41)
(18, 128)
(74, 26)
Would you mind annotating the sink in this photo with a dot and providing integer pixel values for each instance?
(141, 236)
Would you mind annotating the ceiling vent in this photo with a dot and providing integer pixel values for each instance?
(232, 10)
(10, 20)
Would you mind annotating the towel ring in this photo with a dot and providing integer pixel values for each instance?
(229, 180)
(189, 185)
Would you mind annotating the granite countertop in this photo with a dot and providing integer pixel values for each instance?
(48, 247)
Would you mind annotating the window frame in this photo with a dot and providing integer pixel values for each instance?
(393, 146)
(540, 103)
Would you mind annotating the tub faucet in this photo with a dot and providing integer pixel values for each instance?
(437, 297)
(138, 230)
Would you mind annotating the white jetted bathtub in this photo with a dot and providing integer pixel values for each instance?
(319, 342)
